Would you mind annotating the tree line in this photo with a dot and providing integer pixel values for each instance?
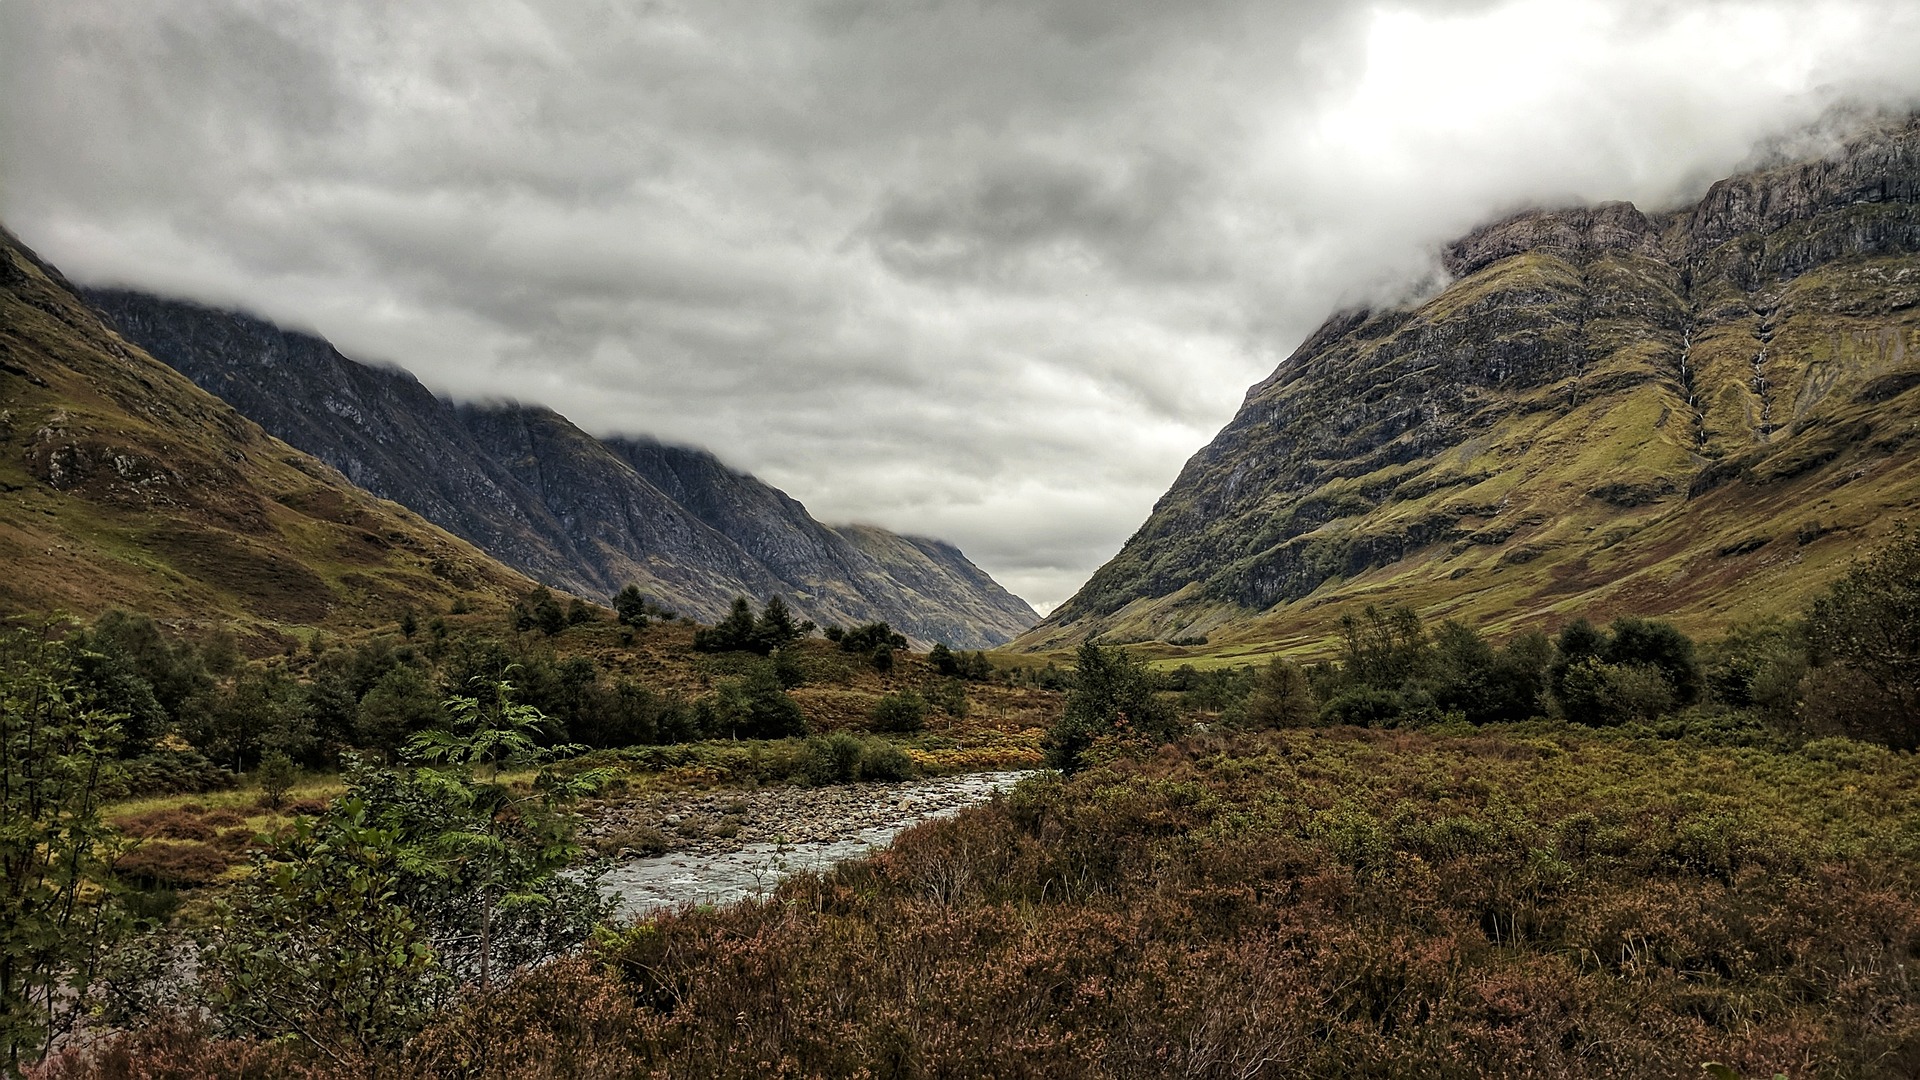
(1848, 665)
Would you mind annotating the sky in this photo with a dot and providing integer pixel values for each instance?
(984, 270)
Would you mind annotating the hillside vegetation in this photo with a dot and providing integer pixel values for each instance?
(122, 484)
(1612, 853)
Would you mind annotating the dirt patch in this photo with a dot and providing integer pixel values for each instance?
(268, 583)
(323, 504)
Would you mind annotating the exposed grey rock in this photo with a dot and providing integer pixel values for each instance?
(585, 515)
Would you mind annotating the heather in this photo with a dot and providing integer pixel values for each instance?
(1523, 900)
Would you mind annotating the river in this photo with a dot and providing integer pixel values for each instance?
(770, 833)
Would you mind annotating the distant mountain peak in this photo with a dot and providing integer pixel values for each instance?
(580, 513)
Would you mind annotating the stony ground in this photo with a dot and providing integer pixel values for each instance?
(712, 822)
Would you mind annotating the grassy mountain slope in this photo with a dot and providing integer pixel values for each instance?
(123, 484)
(580, 513)
(1700, 414)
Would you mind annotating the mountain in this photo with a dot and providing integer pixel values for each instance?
(580, 513)
(1699, 413)
(124, 484)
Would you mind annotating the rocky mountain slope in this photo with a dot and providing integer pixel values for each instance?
(583, 514)
(1699, 414)
(124, 484)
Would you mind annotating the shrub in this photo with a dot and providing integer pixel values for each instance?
(172, 772)
(1365, 706)
(942, 660)
(881, 760)
(835, 758)
(903, 711)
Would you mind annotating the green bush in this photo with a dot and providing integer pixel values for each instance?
(881, 760)
(834, 759)
(1113, 696)
(1366, 706)
(171, 772)
(899, 712)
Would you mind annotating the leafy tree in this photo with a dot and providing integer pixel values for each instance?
(1754, 662)
(277, 775)
(1280, 697)
(882, 658)
(976, 667)
(578, 612)
(409, 624)
(867, 637)
(57, 913)
(740, 631)
(358, 925)
(264, 709)
(497, 853)
(754, 707)
(1112, 695)
(159, 685)
(317, 942)
(1487, 684)
(1384, 648)
(538, 610)
(548, 616)
(950, 697)
(1659, 645)
(1636, 669)
(788, 668)
(401, 704)
(1869, 624)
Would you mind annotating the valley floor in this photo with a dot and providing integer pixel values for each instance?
(1536, 900)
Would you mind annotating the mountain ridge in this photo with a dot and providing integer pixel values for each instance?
(581, 513)
(1696, 413)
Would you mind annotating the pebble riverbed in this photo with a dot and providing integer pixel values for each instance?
(731, 845)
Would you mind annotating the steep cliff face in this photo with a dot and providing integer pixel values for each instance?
(122, 484)
(582, 514)
(1697, 414)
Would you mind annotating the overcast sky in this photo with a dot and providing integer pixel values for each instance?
(988, 271)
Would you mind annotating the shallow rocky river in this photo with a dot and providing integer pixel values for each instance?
(733, 845)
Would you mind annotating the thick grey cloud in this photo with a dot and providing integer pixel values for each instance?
(982, 270)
